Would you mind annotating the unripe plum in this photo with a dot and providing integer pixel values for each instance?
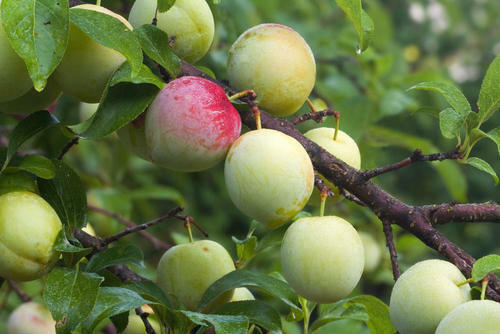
(31, 318)
(269, 176)
(28, 230)
(276, 62)
(187, 270)
(190, 125)
(87, 65)
(322, 258)
(424, 294)
(475, 316)
(343, 148)
(14, 78)
(32, 101)
(241, 294)
(190, 21)
(373, 253)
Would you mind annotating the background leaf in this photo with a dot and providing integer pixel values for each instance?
(495, 136)
(450, 92)
(128, 254)
(485, 265)
(489, 95)
(483, 166)
(361, 21)
(38, 32)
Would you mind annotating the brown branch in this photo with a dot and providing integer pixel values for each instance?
(416, 156)
(316, 116)
(320, 184)
(144, 317)
(157, 243)
(21, 294)
(384, 205)
(171, 214)
(190, 220)
(452, 212)
(351, 197)
(392, 248)
(67, 147)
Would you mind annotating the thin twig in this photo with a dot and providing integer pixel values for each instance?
(392, 248)
(316, 116)
(322, 187)
(144, 317)
(461, 213)
(67, 147)
(157, 243)
(171, 214)
(416, 156)
(17, 289)
(190, 220)
(351, 197)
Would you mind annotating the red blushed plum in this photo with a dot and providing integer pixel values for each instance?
(190, 125)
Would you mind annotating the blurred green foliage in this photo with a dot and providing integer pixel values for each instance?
(415, 41)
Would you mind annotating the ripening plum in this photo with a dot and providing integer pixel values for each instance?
(190, 125)
(276, 62)
(322, 258)
(269, 176)
(190, 21)
(31, 318)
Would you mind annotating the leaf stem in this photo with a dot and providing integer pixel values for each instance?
(98, 2)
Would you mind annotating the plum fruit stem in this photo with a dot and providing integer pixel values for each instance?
(98, 2)
(188, 228)
(305, 311)
(484, 284)
(323, 198)
(311, 105)
(257, 120)
(337, 122)
(465, 282)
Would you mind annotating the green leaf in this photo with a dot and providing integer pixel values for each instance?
(122, 103)
(157, 192)
(155, 43)
(484, 266)
(70, 296)
(128, 254)
(245, 249)
(451, 122)
(394, 102)
(110, 32)
(489, 95)
(450, 92)
(19, 181)
(483, 166)
(38, 165)
(246, 278)
(66, 194)
(38, 32)
(145, 76)
(223, 324)
(72, 253)
(111, 301)
(258, 312)
(164, 5)
(26, 129)
(495, 136)
(361, 21)
(149, 290)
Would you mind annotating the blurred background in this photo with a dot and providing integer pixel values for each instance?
(415, 41)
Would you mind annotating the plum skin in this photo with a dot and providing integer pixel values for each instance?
(475, 316)
(373, 253)
(424, 294)
(276, 62)
(87, 65)
(28, 229)
(190, 21)
(190, 125)
(187, 270)
(29, 318)
(322, 258)
(269, 176)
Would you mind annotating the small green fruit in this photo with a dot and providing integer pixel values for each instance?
(31, 318)
(269, 176)
(241, 294)
(28, 230)
(190, 21)
(185, 271)
(475, 316)
(322, 258)
(276, 62)
(424, 294)
(373, 253)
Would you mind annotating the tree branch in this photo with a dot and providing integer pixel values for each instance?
(20, 293)
(392, 249)
(316, 116)
(452, 212)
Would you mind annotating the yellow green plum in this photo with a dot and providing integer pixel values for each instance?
(373, 253)
(475, 316)
(32, 100)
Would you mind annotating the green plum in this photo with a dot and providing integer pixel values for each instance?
(190, 21)
(269, 176)
(185, 271)
(373, 253)
(475, 316)
(87, 65)
(242, 294)
(322, 258)
(11, 66)
(276, 62)
(31, 318)
(424, 294)
(28, 229)
(343, 148)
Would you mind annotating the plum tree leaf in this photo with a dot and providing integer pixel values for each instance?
(245, 249)
(66, 194)
(489, 95)
(223, 324)
(128, 254)
(70, 296)
(450, 92)
(485, 265)
(483, 166)
(394, 102)
(164, 5)
(111, 32)
(17, 180)
(360, 19)
(38, 165)
(26, 129)
(155, 43)
(495, 136)
(246, 278)
(38, 32)
(112, 301)
(451, 122)
(149, 290)
(257, 312)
